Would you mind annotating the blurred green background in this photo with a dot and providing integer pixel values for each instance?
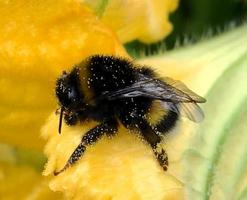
(194, 20)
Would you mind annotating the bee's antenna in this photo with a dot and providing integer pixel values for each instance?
(60, 120)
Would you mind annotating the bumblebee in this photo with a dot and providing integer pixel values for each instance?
(114, 91)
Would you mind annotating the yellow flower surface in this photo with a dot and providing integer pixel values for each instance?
(23, 182)
(38, 40)
(146, 20)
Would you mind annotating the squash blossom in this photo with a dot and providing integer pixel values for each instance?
(146, 21)
(39, 39)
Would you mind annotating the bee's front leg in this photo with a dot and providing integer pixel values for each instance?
(91, 137)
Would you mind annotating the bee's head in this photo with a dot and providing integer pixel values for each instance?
(68, 92)
(69, 96)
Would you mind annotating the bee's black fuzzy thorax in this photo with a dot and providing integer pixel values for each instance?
(108, 73)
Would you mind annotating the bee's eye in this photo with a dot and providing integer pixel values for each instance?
(68, 94)
(71, 92)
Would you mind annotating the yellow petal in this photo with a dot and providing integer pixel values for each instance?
(38, 40)
(23, 182)
(145, 20)
(122, 167)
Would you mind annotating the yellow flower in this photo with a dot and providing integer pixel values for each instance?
(39, 39)
(145, 20)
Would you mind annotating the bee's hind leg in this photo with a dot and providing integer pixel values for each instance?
(107, 127)
(154, 140)
(161, 156)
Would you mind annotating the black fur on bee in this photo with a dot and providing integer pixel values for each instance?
(114, 90)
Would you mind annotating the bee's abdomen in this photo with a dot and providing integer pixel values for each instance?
(162, 120)
(167, 123)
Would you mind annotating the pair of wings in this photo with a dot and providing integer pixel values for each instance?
(174, 95)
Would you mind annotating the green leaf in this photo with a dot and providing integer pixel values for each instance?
(218, 151)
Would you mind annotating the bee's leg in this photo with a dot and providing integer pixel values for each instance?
(108, 127)
(161, 156)
(154, 140)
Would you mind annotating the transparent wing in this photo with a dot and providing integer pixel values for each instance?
(178, 85)
(190, 110)
(167, 90)
(174, 95)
